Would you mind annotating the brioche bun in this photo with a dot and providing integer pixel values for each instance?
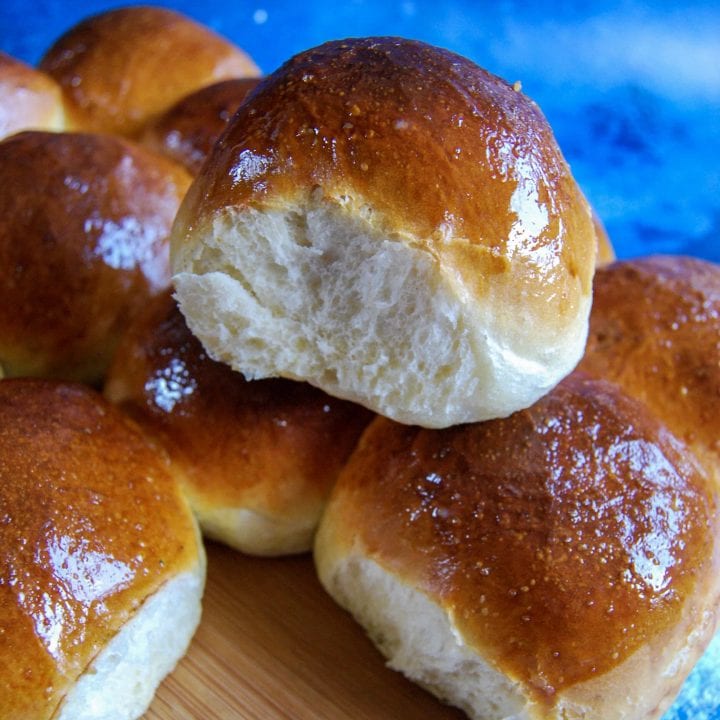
(258, 459)
(29, 99)
(84, 222)
(560, 563)
(187, 132)
(123, 67)
(394, 225)
(101, 565)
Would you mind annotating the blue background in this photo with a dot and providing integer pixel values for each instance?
(631, 89)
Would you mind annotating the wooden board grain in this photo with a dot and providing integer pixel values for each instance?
(273, 646)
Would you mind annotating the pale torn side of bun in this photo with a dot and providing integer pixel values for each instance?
(559, 564)
(393, 224)
(102, 564)
(122, 68)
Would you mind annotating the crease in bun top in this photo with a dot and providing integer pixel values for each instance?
(121, 68)
(395, 225)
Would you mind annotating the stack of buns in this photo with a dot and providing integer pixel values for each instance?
(381, 323)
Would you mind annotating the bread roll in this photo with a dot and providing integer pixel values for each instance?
(258, 459)
(101, 567)
(123, 67)
(563, 562)
(29, 99)
(560, 563)
(394, 225)
(84, 221)
(187, 132)
(655, 331)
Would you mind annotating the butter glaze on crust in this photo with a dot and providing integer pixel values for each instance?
(123, 67)
(188, 131)
(571, 548)
(92, 524)
(258, 459)
(390, 161)
(84, 222)
(29, 99)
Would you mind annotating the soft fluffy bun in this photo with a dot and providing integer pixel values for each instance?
(29, 99)
(189, 129)
(101, 567)
(258, 459)
(393, 224)
(84, 224)
(123, 67)
(560, 563)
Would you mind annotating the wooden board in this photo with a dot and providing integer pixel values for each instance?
(272, 645)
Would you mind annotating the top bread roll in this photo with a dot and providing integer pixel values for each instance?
(393, 224)
(29, 99)
(123, 67)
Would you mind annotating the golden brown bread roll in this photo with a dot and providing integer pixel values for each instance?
(84, 221)
(101, 565)
(393, 224)
(187, 132)
(655, 331)
(123, 67)
(258, 459)
(29, 99)
(563, 562)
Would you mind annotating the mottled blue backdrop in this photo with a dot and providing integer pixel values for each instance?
(632, 90)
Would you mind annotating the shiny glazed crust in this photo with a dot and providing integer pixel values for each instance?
(258, 459)
(93, 213)
(567, 555)
(123, 67)
(92, 525)
(655, 331)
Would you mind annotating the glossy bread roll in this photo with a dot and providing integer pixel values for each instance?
(84, 221)
(123, 67)
(258, 459)
(561, 563)
(655, 331)
(187, 132)
(101, 566)
(393, 224)
(29, 99)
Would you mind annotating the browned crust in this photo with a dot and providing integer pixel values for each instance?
(83, 244)
(91, 524)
